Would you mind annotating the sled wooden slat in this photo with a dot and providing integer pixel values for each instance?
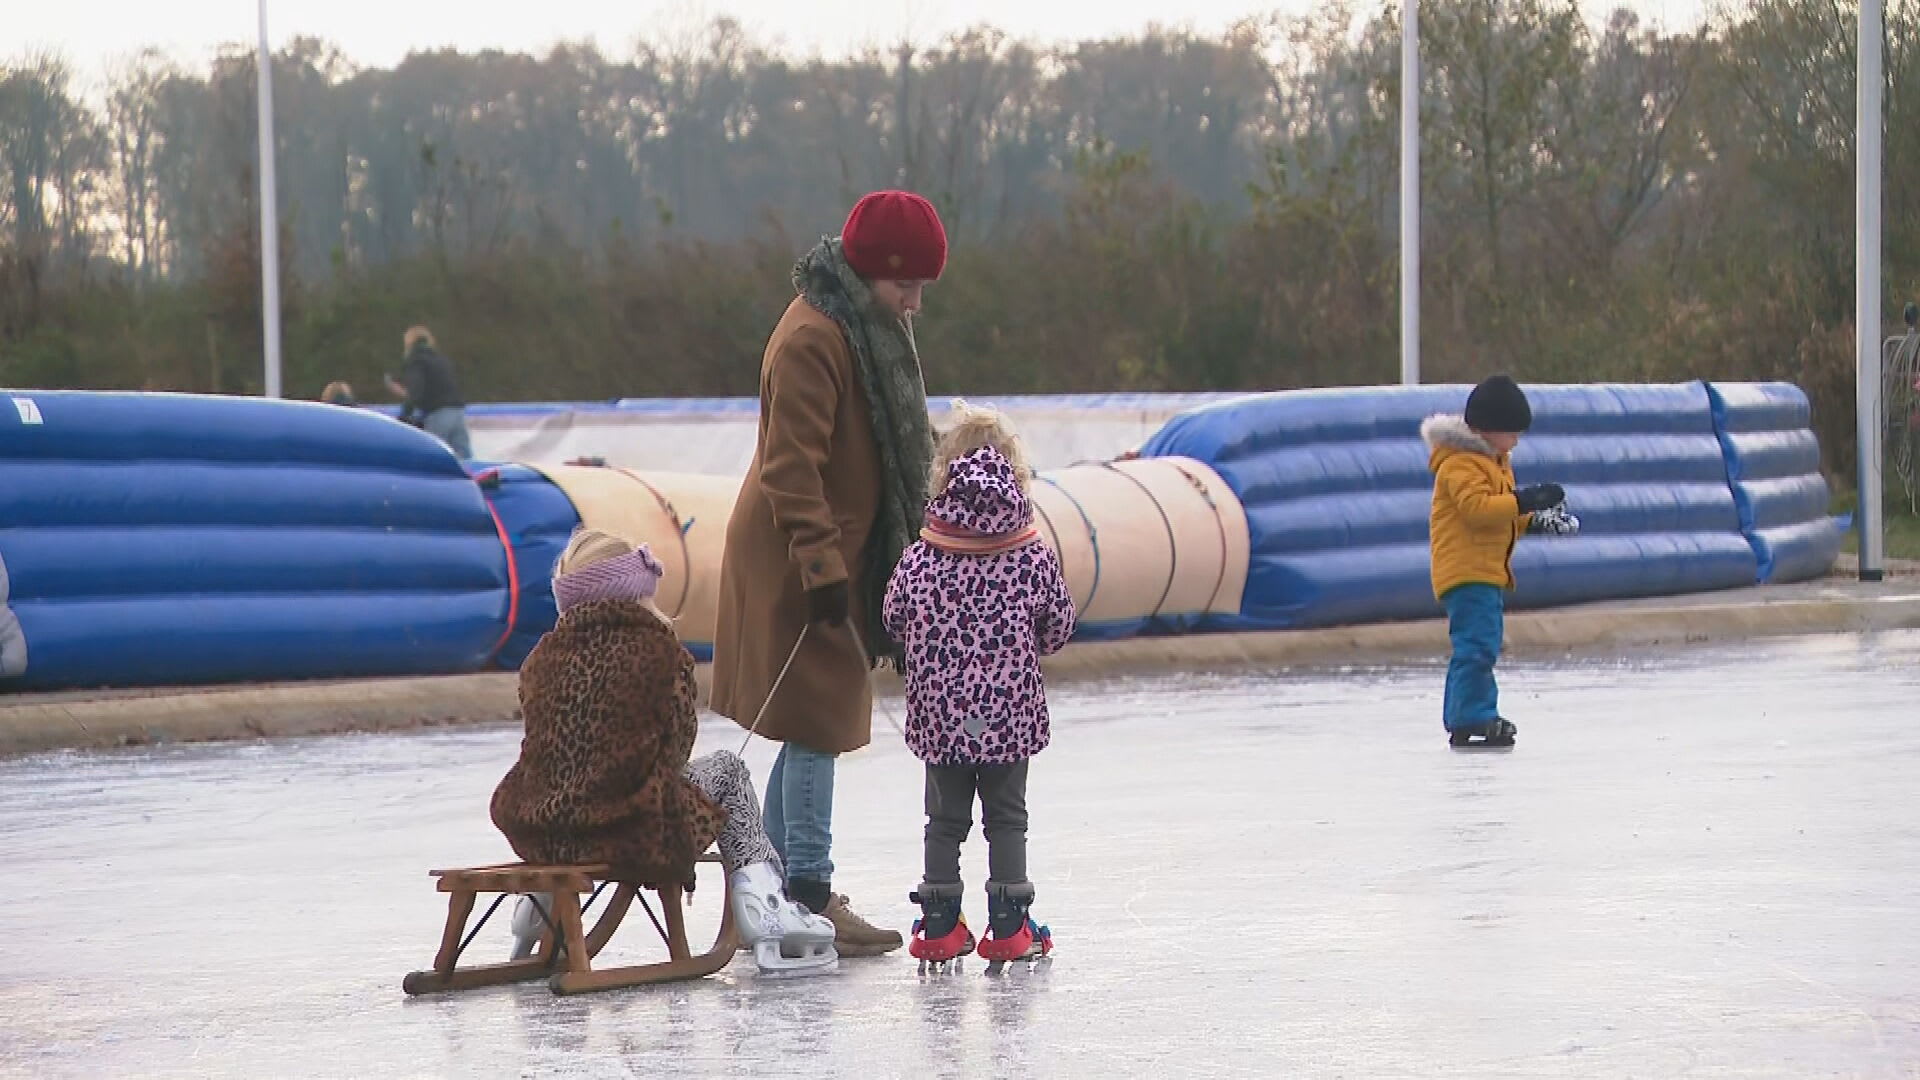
(568, 963)
(520, 879)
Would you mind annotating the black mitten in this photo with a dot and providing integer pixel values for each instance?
(1539, 497)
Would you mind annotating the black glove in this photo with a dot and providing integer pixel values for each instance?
(828, 604)
(1539, 497)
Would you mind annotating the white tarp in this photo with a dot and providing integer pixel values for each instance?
(715, 436)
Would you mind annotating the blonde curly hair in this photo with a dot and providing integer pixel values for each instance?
(973, 427)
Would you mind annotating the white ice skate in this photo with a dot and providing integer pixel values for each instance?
(787, 939)
(527, 923)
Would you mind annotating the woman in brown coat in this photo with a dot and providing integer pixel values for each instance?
(604, 775)
(835, 493)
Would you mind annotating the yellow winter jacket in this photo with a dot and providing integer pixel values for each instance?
(1476, 520)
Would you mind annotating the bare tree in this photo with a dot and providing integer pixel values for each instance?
(51, 149)
(134, 118)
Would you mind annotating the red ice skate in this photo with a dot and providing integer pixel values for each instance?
(931, 943)
(1030, 942)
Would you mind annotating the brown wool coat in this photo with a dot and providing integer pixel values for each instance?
(609, 702)
(805, 510)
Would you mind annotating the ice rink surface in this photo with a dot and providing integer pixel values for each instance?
(1703, 864)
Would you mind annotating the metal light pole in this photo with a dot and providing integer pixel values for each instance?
(1409, 193)
(269, 218)
(1866, 288)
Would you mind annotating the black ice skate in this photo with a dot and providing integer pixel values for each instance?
(1497, 735)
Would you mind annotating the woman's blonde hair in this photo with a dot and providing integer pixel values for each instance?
(973, 427)
(416, 335)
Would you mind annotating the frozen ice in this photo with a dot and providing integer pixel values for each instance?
(1702, 863)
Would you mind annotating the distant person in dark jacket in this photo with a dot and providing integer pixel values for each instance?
(429, 393)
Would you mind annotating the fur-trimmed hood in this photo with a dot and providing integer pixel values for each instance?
(1450, 431)
(1449, 436)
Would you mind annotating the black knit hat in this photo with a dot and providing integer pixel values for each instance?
(1499, 406)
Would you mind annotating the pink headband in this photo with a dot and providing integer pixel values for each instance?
(633, 576)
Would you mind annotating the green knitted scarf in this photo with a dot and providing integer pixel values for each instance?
(888, 366)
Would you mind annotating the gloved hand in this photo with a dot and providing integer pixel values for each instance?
(828, 604)
(1539, 497)
(1554, 521)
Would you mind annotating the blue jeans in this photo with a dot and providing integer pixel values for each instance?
(1476, 621)
(799, 811)
(449, 425)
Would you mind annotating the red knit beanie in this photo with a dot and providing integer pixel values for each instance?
(895, 236)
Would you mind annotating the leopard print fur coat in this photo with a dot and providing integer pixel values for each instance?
(608, 698)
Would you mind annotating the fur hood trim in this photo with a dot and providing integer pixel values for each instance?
(1450, 432)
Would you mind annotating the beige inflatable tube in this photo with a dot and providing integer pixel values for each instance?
(1155, 536)
(681, 516)
(1151, 536)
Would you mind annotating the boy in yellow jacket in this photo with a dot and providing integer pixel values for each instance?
(1477, 518)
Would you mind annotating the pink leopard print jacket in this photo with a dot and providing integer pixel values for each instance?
(977, 602)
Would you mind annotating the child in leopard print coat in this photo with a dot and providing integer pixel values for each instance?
(605, 773)
(976, 603)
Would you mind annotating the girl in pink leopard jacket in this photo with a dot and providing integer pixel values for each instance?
(976, 603)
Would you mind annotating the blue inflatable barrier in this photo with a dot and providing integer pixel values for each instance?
(537, 520)
(169, 539)
(1773, 466)
(1337, 493)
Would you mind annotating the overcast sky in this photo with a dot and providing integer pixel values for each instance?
(92, 33)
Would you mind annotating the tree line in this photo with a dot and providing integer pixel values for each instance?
(1167, 211)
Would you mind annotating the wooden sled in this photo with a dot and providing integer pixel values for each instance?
(566, 951)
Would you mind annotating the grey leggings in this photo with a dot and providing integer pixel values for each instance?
(1003, 816)
(723, 777)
